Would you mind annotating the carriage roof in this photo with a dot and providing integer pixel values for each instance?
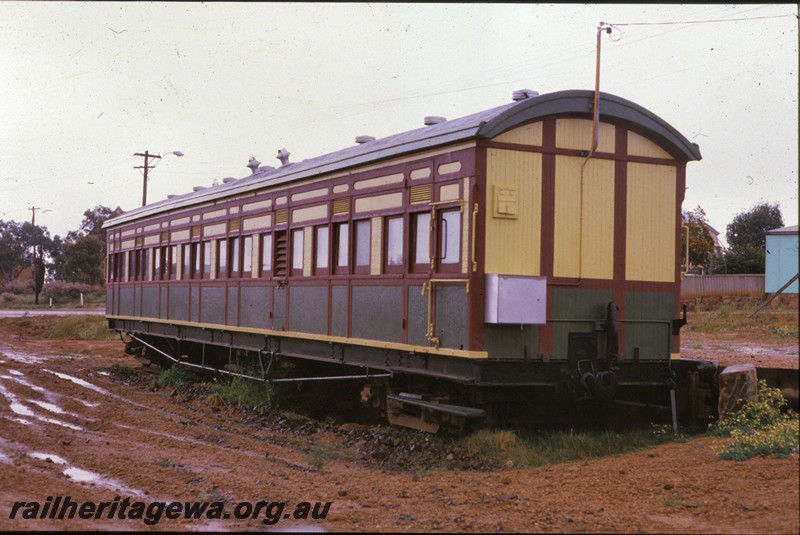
(482, 125)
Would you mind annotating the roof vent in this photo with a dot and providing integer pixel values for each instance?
(198, 188)
(172, 196)
(522, 94)
(228, 180)
(283, 156)
(253, 164)
(431, 120)
(364, 139)
(266, 168)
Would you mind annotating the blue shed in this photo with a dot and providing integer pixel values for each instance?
(782, 259)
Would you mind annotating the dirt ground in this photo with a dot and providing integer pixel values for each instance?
(84, 420)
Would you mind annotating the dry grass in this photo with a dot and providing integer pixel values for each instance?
(715, 316)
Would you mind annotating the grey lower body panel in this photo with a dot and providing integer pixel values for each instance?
(474, 371)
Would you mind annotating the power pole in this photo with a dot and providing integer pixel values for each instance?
(36, 260)
(146, 155)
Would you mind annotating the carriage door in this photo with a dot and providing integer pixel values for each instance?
(447, 299)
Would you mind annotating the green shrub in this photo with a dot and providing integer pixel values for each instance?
(177, 376)
(779, 440)
(753, 417)
(61, 289)
(248, 393)
(317, 456)
(759, 428)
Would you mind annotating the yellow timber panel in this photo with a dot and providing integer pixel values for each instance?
(376, 247)
(513, 245)
(530, 134)
(641, 146)
(256, 259)
(650, 246)
(577, 134)
(308, 250)
(584, 220)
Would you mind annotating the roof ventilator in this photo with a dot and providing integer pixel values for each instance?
(198, 188)
(431, 120)
(364, 139)
(253, 164)
(523, 94)
(228, 180)
(283, 156)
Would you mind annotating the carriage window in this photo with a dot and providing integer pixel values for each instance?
(206, 259)
(394, 243)
(158, 254)
(197, 267)
(145, 263)
(247, 255)
(362, 244)
(266, 254)
(233, 264)
(131, 273)
(422, 233)
(222, 258)
(173, 261)
(297, 250)
(450, 237)
(187, 261)
(342, 247)
(321, 246)
(134, 259)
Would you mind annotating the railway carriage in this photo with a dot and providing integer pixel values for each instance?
(514, 264)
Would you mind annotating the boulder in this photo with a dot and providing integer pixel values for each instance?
(738, 382)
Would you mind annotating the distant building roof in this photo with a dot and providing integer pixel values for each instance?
(784, 230)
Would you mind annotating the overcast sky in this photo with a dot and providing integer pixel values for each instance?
(84, 86)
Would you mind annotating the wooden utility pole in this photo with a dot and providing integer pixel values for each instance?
(37, 262)
(146, 155)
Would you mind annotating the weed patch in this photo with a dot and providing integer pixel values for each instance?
(177, 376)
(759, 428)
(509, 448)
(247, 393)
(317, 456)
(79, 328)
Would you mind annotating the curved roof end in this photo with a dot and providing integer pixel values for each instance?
(612, 109)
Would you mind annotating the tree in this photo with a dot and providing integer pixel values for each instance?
(92, 224)
(38, 239)
(13, 251)
(83, 252)
(701, 243)
(749, 228)
(82, 260)
(743, 259)
(747, 239)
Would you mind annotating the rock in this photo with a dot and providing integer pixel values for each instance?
(509, 464)
(668, 486)
(737, 382)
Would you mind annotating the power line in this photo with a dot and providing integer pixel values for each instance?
(709, 21)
